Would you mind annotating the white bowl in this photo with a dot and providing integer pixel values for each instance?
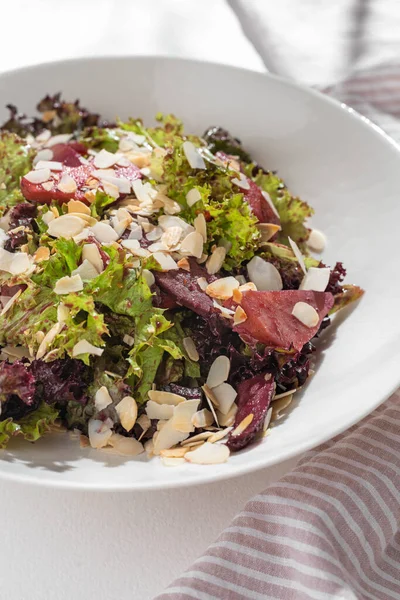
(345, 167)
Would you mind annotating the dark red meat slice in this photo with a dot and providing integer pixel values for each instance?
(259, 205)
(254, 396)
(72, 165)
(182, 287)
(270, 320)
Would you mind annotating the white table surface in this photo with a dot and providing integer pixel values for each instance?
(60, 545)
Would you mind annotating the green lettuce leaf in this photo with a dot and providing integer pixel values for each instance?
(350, 294)
(31, 427)
(15, 160)
(100, 138)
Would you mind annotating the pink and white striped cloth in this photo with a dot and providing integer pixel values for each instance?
(330, 529)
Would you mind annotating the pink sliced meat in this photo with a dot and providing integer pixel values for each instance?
(270, 320)
(76, 167)
(259, 204)
(254, 397)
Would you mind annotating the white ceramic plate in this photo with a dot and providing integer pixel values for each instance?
(345, 167)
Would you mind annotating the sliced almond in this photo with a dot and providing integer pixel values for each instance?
(242, 182)
(166, 221)
(67, 285)
(316, 279)
(10, 302)
(66, 226)
(45, 154)
(183, 413)
(228, 419)
(48, 339)
(193, 196)
(267, 231)
(171, 237)
(210, 395)
(169, 461)
(298, 255)
(162, 397)
(200, 226)
(243, 425)
(99, 433)
(42, 253)
(193, 244)
(102, 398)
(149, 277)
(190, 348)
(125, 446)
(306, 314)
(85, 347)
(279, 406)
(216, 260)
(38, 175)
(202, 418)
(240, 316)
(268, 199)
(127, 411)
(208, 454)
(67, 185)
(166, 438)
(155, 234)
(267, 419)
(91, 253)
(225, 395)
(184, 264)
(104, 233)
(199, 437)
(222, 288)
(105, 159)
(159, 411)
(264, 275)
(193, 157)
(165, 261)
(149, 447)
(219, 371)
(178, 452)
(219, 435)
(86, 271)
(316, 241)
(202, 283)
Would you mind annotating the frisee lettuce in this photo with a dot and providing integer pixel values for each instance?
(33, 426)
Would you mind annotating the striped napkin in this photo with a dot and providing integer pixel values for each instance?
(330, 529)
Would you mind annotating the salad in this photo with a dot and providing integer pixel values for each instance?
(157, 289)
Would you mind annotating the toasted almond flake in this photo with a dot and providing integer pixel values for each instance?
(136, 232)
(171, 237)
(191, 445)
(149, 447)
(190, 348)
(149, 277)
(125, 446)
(111, 189)
(55, 211)
(85, 347)
(157, 247)
(211, 407)
(42, 253)
(141, 253)
(53, 165)
(43, 136)
(144, 422)
(242, 182)
(200, 226)
(178, 452)
(130, 244)
(102, 398)
(183, 413)
(222, 288)
(48, 185)
(62, 313)
(39, 337)
(264, 275)
(166, 438)
(228, 419)
(184, 264)
(166, 221)
(219, 435)
(225, 396)
(193, 196)
(306, 314)
(279, 406)
(159, 411)
(48, 339)
(239, 316)
(76, 206)
(202, 418)
(127, 411)
(155, 234)
(161, 424)
(165, 261)
(193, 157)
(216, 260)
(10, 302)
(210, 395)
(219, 371)
(141, 191)
(267, 231)
(105, 159)
(84, 441)
(193, 244)
(104, 233)
(66, 285)
(168, 461)
(61, 138)
(66, 226)
(86, 271)
(202, 283)
(38, 176)
(128, 339)
(140, 159)
(19, 263)
(316, 241)
(237, 295)
(162, 397)
(45, 154)
(91, 253)
(268, 199)
(47, 217)
(99, 433)
(243, 425)
(199, 437)
(267, 419)
(208, 454)
(316, 279)
(298, 255)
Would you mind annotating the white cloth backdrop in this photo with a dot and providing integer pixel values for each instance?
(58, 544)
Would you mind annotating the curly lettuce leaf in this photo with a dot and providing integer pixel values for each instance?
(33, 426)
(293, 211)
(15, 160)
(350, 294)
(100, 138)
